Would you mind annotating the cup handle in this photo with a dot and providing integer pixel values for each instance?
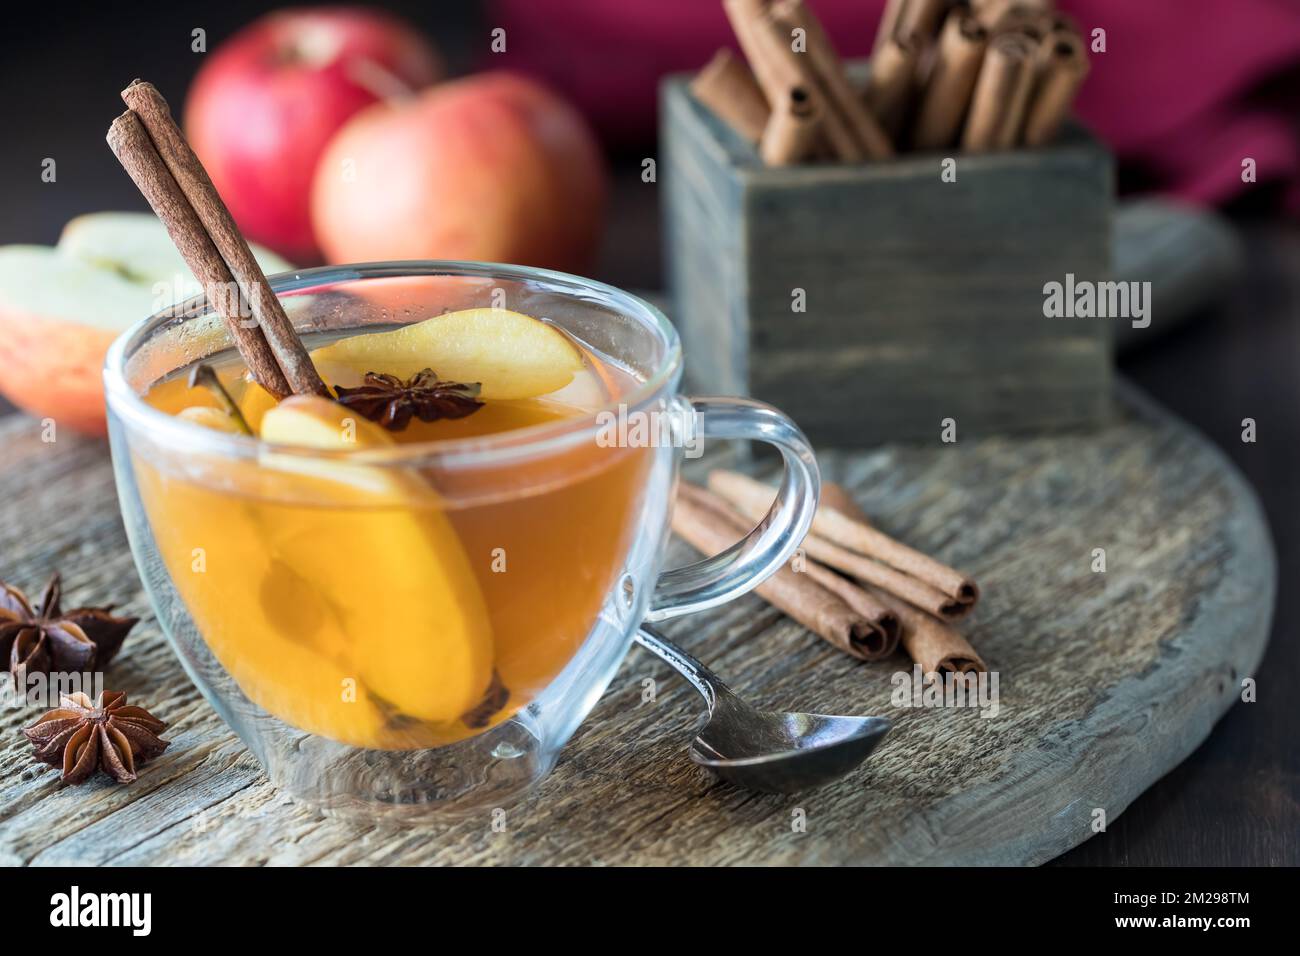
(755, 557)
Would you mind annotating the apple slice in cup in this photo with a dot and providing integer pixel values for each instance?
(511, 355)
(383, 555)
(210, 417)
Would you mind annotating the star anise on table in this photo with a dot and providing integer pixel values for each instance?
(42, 638)
(80, 735)
(391, 402)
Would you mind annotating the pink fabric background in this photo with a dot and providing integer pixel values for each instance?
(1186, 89)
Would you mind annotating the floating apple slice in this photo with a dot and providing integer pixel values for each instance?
(254, 403)
(512, 355)
(283, 654)
(210, 417)
(387, 561)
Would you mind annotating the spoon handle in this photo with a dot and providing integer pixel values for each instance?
(701, 678)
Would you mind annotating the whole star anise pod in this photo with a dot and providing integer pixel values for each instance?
(391, 402)
(78, 736)
(45, 638)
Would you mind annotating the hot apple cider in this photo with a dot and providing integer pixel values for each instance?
(383, 603)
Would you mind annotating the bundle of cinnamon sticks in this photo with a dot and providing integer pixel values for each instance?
(984, 75)
(853, 585)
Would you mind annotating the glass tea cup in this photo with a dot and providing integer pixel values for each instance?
(414, 629)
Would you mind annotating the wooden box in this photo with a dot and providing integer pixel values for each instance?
(923, 299)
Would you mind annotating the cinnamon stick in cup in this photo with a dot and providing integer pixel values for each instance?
(828, 70)
(791, 132)
(1001, 94)
(892, 81)
(131, 144)
(1062, 67)
(947, 95)
(706, 524)
(728, 88)
(151, 109)
(862, 551)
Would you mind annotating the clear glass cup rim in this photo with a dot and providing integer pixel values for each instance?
(549, 437)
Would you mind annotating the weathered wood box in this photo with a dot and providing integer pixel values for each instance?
(922, 300)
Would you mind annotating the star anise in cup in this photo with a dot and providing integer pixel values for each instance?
(391, 402)
(43, 637)
(78, 736)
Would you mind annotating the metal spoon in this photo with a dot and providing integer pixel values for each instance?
(767, 750)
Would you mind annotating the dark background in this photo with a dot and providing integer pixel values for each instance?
(1235, 801)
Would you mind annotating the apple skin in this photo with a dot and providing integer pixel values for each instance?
(492, 168)
(51, 368)
(266, 102)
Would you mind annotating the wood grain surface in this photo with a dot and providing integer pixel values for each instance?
(1107, 680)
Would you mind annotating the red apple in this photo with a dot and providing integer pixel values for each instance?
(267, 101)
(492, 167)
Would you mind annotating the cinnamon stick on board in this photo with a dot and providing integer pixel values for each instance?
(889, 628)
(753, 498)
(702, 521)
(913, 590)
(728, 88)
(148, 104)
(791, 131)
(867, 604)
(952, 81)
(828, 69)
(837, 497)
(1061, 71)
(131, 144)
(851, 594)
(1001, 94)
(936, 646)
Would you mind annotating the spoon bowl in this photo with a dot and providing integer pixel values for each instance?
(769, 751)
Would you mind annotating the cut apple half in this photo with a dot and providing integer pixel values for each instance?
(62, 306)
(512, 355)
(389, 564)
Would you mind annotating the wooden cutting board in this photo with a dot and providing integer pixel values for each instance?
(1107, 680)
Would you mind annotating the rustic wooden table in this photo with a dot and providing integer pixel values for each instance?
(1107, 680)
(1236, 800)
